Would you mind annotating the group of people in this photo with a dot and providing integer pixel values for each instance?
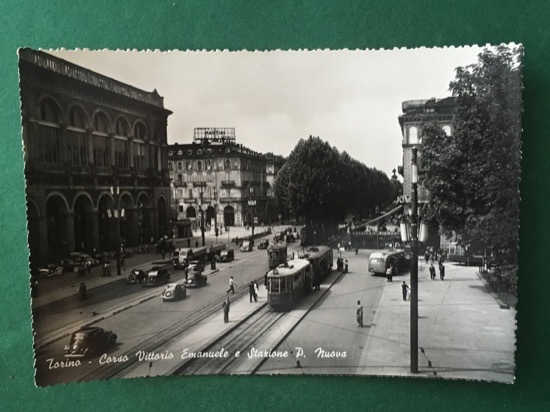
(441, 271)
(342, 265)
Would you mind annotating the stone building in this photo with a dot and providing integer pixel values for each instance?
(414, 112)
(96, 159)
(231, 184)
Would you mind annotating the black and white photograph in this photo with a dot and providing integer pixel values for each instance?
(311, 212)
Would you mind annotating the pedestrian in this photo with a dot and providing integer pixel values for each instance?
(226, 304)
(163, 252)
(346, 266)
(82, 290)
(432, 271)
(389, 274)
(251, 292)
(404, 289)
(232, 285)
(196, 243)
(256, 290)
(359, 314)
(441, 271)
(188, 242)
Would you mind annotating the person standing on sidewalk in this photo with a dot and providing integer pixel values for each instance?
(359, 314)
(82, 290)
(251, 292)
(405, 290)
(256, 291)
(232, 285)
(226, 304)
(432, 271)
(441, 271)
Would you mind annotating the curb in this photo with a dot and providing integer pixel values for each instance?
(502, 304)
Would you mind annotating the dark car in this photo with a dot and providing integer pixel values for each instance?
(50, 270)
(135, 276)
(263, 244)
(227, 255)
(89, 341)
(173, 291)
(196, 279)
(290, 238)
(68, 265)
(156, 276)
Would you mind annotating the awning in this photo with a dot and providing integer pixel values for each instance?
(391, 212)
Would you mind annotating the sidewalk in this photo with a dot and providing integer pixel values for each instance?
(464, 332)
(51, 290)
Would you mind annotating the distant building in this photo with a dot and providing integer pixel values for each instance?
(84, 134)
(231, 183)
(414, 112)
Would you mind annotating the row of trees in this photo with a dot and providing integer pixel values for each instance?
(319, 183)
(473, 175)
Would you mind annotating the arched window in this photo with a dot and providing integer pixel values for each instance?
(77, 118)
(140, 132)
(227, 164)
(121, 127)
(49, 112)
(76, 139)
(199, 165)
(180, 165)
(101, 123)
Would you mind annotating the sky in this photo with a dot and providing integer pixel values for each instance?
(352, 99)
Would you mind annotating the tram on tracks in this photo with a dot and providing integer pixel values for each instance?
(288, 282)
(276, 254)
(321, 259)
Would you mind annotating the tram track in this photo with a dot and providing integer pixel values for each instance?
(110, 370)
(239, 339)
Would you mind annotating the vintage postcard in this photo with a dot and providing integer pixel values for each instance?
(286, 212)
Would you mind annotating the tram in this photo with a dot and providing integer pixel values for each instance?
(321, 260)
(288, 282)
(276, 254)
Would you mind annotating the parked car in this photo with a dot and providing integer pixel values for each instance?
(173, 291)
(88, 341)
(263, 244)
(68, 265)
(156, 276)
(290, 238)
(247, 246)
(50, 270)
(135, 276)
(196, 279)
(227, 255)
(81, 258)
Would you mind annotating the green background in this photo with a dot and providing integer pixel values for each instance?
(237, 25)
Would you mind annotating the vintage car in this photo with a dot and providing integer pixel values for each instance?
(227, 255)
(195, 279)
(290, 238)
(68, 265)
(50, 270)
(88, 341)
(81, 258)
(264, 244)
(173, 291)
(247, 246)
(156, 276)
(135, 276)
(195, 266)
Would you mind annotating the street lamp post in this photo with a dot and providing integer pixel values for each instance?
(414, 262)
(252, 204)
(201, 188)
(117, 214)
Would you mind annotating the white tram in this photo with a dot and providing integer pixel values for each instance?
(288, 282)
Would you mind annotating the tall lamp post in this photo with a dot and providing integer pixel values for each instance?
(201, 186)
(116, 214)
(252, 204)
(414, 263)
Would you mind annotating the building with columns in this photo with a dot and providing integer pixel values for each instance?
(96, 159)
(414, 113)
(233, 185)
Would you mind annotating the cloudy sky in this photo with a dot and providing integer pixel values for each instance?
(349, 98)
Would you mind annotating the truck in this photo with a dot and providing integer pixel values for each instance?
(182, 257)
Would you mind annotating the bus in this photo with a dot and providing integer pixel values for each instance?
(321, 260)
(276, 254)
(383, 259)
(288, 282)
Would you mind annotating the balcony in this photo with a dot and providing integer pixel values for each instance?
(228, 183)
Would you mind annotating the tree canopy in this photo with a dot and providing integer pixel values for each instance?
(320, 183)
(473, 175)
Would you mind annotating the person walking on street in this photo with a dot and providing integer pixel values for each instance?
(405, 290)
(432, 271)
(226, 304)
(82, 290)
(359, 314)
(232, 285)
(441, 271)
(389, 274)
(251, 292)
(256, 290)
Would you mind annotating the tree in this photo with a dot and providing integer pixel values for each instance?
(473, 175)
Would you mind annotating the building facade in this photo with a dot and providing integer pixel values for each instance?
(96, 159)
(231, 184)
(414, 113)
